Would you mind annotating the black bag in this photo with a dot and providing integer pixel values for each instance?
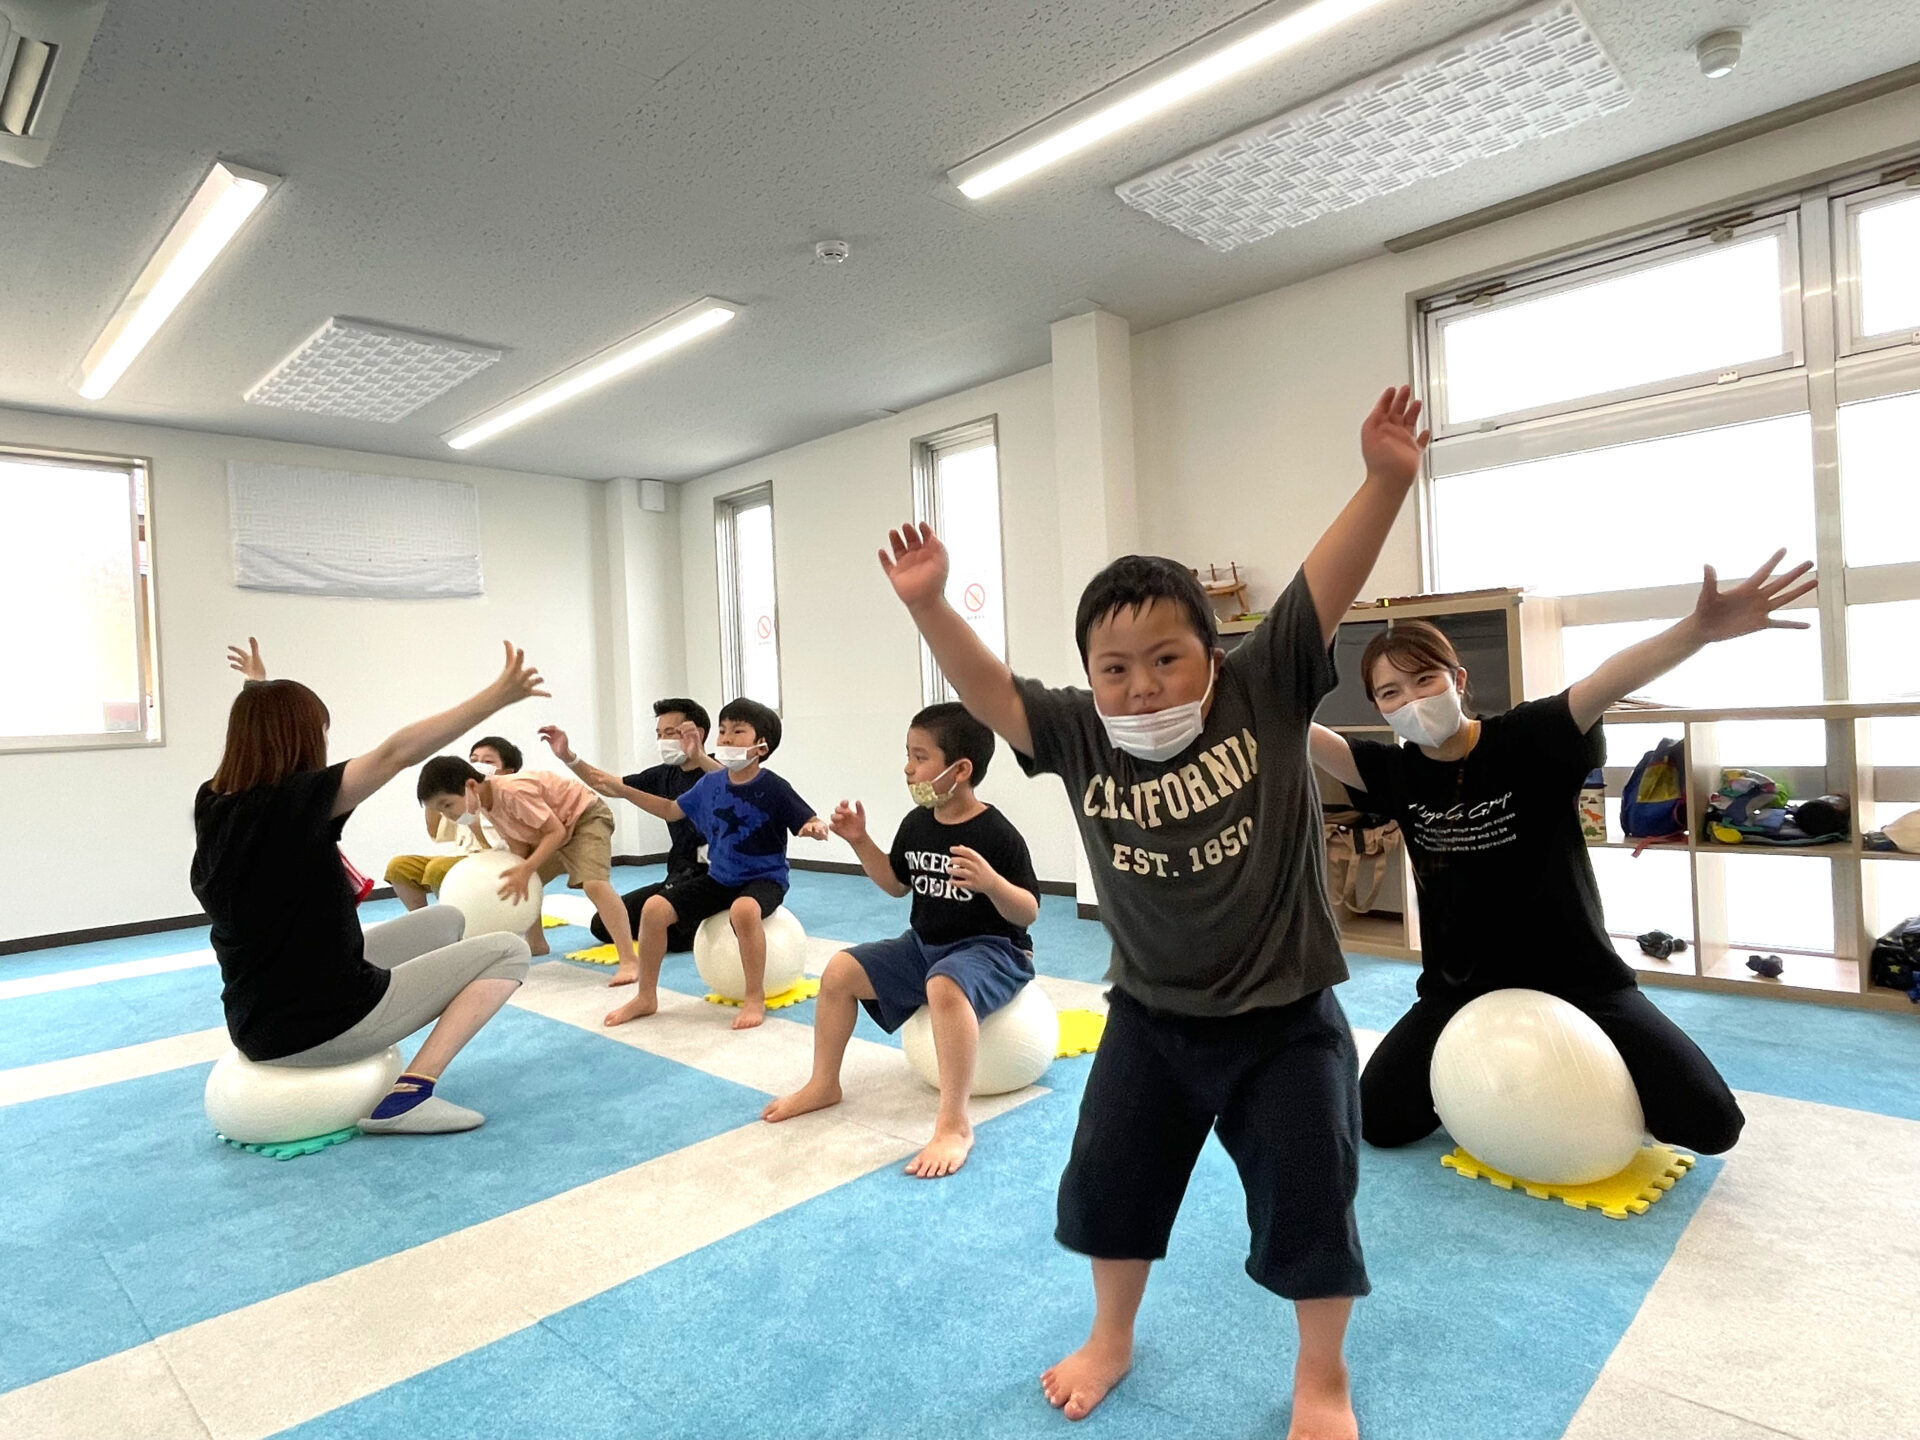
(1896, 958)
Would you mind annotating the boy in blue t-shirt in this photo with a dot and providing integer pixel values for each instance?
(967, 952)
(745, 812)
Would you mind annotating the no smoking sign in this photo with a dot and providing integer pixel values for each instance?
(976, 598)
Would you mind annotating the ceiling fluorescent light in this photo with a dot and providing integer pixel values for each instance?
(671, 333)
(222, 204)
(1231, 50)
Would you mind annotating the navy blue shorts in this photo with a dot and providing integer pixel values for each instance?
(989, 969)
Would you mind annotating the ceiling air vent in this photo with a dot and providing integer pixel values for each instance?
(43, 44)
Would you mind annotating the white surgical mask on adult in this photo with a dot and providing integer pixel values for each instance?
(1431, 720)
(1160, 734)
(671, 753)
(736, 757)
(928, 798)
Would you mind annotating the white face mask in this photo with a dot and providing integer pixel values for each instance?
(1160, 734)
(736, 757)
(1431, 720)
(671, 753)
(486, 768)
(467, 817)
(928, 798)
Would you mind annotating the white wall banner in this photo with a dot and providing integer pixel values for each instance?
(331, 532)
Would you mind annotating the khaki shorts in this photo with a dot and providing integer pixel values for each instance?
(423, 872)
(588, 854)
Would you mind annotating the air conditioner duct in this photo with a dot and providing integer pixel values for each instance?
(43, 45)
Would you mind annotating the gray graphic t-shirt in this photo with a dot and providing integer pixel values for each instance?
(1209, 866)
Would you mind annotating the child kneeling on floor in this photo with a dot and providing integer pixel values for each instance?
(966, 952)
(552, 822)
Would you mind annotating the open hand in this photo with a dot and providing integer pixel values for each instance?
(556, 739)
(1749, 606)
(247, 661)
(517, 882)
(814, 829)
(918, 565)
(689, 737)
(518, 680)
(1391, 441)
(969, 867)
(850, 821)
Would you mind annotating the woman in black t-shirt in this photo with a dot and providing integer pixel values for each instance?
(303, 985)
(1489, 811)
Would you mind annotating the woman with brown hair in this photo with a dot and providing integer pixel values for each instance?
(303, 985)
(1489, 810)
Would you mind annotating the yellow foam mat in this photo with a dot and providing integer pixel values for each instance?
(1649, 1175)
(597, 955)
(805, 988)
(1080, 1032)
(551, 922)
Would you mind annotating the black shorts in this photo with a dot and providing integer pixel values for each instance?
(1281, 1088)
(679, 934)
(698, 896)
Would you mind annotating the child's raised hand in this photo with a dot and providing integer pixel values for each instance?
(814, 829)
(850, 822)
(247, 661)
(517, 680)
(556, 739)
(918, 565)
(969, 867)
(1391, 442)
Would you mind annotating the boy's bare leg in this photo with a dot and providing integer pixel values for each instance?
(411, 896)
(751, 935)
(956, 1046)
(842, 987)
(536, 938)
(1322, 1404)
(655, 916)
(1082, 1380)
(612, 911)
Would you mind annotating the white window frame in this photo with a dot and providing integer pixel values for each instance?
(726, 512)
(1896, 182)
(926, 451)
(139, 472)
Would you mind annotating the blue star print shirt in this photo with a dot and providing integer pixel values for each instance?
(746, 825)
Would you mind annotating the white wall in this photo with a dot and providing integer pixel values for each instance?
(103, 837)
(849, 656)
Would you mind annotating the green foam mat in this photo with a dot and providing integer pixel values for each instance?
(293, 1149)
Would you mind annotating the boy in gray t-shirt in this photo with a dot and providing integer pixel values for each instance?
(1188, 773)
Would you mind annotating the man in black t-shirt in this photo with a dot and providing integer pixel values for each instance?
(967, 952)
(680, 728)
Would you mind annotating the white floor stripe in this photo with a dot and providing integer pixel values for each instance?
(100, 974)
(283, 1361)
(110, 1067)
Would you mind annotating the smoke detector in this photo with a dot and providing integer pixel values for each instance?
(43, 44)
(1718, 52)
(831, 252)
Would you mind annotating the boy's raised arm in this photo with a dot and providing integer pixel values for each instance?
(1391, 444)
(602, 783)
(917, 568)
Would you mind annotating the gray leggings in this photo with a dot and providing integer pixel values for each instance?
(431, 964)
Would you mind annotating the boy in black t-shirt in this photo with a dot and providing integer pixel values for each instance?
(967, 952)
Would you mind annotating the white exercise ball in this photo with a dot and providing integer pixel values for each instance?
(271, 1104)
(1017, 1043)
(1528, 1084)
(473, 888)
(716, 954)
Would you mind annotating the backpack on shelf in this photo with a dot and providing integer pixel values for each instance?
(1361, 850)
(1895, 962)
(1653, 806)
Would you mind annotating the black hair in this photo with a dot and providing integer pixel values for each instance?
(958, 736)
(1134, 582)
(509, 753)
(445, 775)
(679, 705)
(765, 722)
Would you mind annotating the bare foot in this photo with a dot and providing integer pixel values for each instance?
(1082, 1380)
(638, 1008)
(811, 1096)
(539, 946)
(625, 975)
(945, 1153)
(753, 1014)
(1322, 1409)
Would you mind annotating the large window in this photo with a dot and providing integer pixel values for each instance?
(77, 601)
(749, 616)
(956, 489)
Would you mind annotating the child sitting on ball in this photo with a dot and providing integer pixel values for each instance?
(552, 822)
(414, 877)
(966, 952)
(745, 812)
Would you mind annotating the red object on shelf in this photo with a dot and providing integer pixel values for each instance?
(362, 886)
